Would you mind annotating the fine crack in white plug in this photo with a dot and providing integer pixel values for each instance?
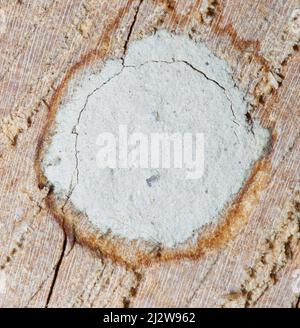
(165, 84)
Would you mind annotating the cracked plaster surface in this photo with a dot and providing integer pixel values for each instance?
(167, 84)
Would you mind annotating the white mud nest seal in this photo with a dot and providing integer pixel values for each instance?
(165, 85)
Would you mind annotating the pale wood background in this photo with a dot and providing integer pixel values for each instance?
(39, 41)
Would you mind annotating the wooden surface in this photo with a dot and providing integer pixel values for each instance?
(39, 41)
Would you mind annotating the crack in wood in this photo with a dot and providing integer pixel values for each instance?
(131, 28)
(57, 268)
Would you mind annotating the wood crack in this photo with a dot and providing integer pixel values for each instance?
(131, 28)
(57, 268)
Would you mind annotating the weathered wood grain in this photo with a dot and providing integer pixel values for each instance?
(41, 40)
